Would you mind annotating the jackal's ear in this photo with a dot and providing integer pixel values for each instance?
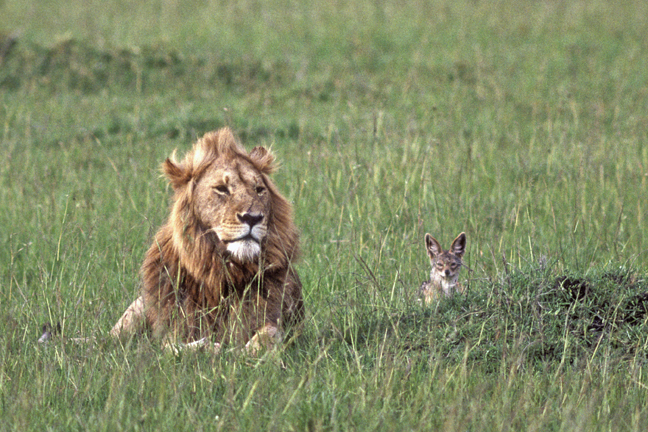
(432, 246)
(458, 246)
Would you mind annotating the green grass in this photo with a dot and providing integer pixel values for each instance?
(522, 123)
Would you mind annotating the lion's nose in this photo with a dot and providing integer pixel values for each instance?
(250, 218)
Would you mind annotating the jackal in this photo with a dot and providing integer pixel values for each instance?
(445, 268)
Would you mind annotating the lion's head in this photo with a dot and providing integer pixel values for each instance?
(223, 190)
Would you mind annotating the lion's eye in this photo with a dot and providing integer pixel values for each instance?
(222, 190)
(260, 189)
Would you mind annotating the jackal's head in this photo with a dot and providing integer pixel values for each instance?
(445, 263)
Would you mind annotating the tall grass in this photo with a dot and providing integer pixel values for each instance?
(521, 123)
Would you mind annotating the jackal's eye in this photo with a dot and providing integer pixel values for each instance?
(222, 190)
(439, 265)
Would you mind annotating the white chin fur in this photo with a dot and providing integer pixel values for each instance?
(244, 250)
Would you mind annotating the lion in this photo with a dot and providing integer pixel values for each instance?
(220, 270)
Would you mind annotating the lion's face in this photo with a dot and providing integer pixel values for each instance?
(232, 199)
(222, 189)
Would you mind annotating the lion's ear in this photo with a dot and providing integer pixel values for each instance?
(177, 175)
(263, 159)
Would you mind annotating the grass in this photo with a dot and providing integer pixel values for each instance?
(521, 123)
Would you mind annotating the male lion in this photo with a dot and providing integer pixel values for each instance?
(220, 269)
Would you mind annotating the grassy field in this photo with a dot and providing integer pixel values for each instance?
(523, 123)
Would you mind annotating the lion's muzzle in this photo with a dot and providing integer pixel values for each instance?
(250, 218)
(244, 240)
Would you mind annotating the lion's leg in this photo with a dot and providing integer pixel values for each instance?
(132, 320)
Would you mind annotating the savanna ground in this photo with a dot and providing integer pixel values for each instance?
(523, 123)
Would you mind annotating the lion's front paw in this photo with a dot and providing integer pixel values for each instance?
(266, 337)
